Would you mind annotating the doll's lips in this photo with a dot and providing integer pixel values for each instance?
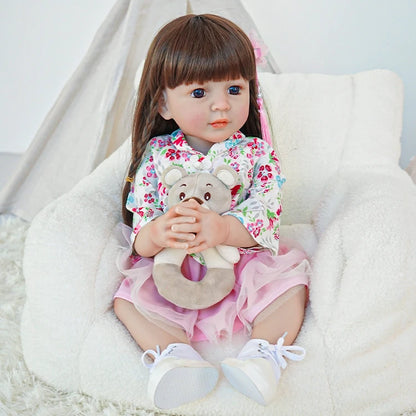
(220, 123)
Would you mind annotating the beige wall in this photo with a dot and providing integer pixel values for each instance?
(43, 41)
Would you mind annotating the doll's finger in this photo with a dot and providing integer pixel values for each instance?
(182, 236)
(172, 243)
(186, 211)
(196, 206)
(186, 228)
(182, 219)
(197, 249)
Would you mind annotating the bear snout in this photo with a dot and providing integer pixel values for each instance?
(200, 201)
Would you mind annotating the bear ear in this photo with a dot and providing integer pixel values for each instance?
(227, 175)
(171, 175)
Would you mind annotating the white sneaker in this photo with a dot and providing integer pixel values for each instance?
(178, 375)
(256, 370)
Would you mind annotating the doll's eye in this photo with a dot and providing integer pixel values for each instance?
(198, 93)
(207, 196)
(182, 196)
(234, 90)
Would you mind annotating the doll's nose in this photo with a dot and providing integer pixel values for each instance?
(221, 103)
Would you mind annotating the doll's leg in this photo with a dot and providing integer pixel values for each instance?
(173, 359)
(285, 314)
(146, 334)
(256, 370)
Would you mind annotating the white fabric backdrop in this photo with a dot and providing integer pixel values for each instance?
(92, 115)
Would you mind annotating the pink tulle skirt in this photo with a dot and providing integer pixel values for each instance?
(260, 279)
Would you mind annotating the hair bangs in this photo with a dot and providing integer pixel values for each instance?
(206, 50)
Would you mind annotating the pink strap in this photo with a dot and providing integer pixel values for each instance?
(265, 130)
(260, 51)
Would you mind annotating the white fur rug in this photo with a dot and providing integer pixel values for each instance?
(21, 393)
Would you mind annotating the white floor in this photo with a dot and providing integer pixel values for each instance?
(8, 163)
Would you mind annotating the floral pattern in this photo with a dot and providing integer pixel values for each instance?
(256, 200)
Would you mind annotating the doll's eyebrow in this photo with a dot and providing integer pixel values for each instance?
(209, 184)
(183, 184)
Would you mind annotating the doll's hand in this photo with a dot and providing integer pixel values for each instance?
(210, 228)
(173, 229)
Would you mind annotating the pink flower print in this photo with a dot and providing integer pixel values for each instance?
(180, 141)
(233, 152)
(255, 228)
(149, 198)
(250, 174)
(161, 189)
(259, 226)
(257, 147)
(140, 212)
(274, 158)
(150, 171)
(250, 227)
(145, 182)
(273, 222)
(249, 156)
(273, 218)
(171, 154)
(235, 166)
(265, 173)
(234, 190)
(236, 136)
(178, 138)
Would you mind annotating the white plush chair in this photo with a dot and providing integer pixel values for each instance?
(346, 201)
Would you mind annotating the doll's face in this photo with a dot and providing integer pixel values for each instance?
(208, 112)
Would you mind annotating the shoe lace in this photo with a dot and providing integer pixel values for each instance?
(279, 352)
(157, 355)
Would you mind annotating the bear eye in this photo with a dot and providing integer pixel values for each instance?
(207, 196)
(182, 196)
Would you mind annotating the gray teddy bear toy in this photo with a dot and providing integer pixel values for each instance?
(213, 192)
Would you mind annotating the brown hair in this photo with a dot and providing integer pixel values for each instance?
(191, 48)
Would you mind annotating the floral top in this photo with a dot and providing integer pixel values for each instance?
(255, 201)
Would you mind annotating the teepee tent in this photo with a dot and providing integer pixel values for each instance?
(92, 115)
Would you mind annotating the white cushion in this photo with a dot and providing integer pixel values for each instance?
(346, 201)
(323, 123)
